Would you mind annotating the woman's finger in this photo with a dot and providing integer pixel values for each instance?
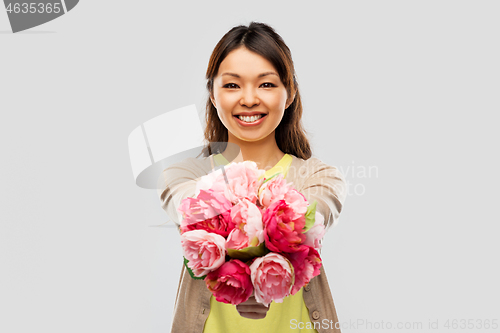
(252, 308)
(253, 315)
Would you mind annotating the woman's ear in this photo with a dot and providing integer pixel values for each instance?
(290, 100)
(212, 99)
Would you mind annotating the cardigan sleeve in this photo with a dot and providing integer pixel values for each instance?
(176, 183)
(326, 185)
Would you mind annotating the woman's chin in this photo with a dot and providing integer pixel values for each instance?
(251, 138)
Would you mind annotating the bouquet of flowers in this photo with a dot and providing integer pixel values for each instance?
(244, 234)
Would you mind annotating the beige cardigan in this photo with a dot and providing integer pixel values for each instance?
(313, 178)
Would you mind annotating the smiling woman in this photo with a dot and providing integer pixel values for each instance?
(254, 103)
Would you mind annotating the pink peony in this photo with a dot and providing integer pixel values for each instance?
(297, 201)
(230, 283)
(247, 217)
(272, 277)
(306, 263)
(237, 240)
(283, 228)
(273, 190)
(244, 180)
(316, 232)
(210, 211)
(205, 251)
(207, 182)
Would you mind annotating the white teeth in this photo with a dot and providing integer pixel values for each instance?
(250, 119)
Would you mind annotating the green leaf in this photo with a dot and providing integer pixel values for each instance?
(191, 272)
(269, 178)
(248, 253)
(310, 216)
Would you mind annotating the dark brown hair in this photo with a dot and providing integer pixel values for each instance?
(262, 39)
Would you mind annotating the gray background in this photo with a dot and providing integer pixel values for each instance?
(409, 88)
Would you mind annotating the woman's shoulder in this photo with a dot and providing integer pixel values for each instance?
(196, 165)
(304, 168)
(187, 169)
(310, 160)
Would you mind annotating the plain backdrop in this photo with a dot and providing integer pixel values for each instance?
(401, 96)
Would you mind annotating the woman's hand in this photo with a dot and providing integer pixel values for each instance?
(251, 309)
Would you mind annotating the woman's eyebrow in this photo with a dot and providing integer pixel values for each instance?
(260, 75)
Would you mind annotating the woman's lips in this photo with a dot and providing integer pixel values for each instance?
(255, 123)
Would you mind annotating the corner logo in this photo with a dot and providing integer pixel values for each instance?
(31, 13)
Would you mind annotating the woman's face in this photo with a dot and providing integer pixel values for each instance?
(248, 84)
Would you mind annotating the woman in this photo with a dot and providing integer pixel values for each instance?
(254, 104)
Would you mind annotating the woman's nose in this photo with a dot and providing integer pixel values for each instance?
(249, 98)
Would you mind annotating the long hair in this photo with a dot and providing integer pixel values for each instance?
(262, 39)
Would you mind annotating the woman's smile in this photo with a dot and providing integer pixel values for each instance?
(250, 120)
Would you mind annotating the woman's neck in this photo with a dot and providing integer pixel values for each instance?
(265, 152)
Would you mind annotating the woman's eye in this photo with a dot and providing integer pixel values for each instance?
(230, 85)
(267, 85)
